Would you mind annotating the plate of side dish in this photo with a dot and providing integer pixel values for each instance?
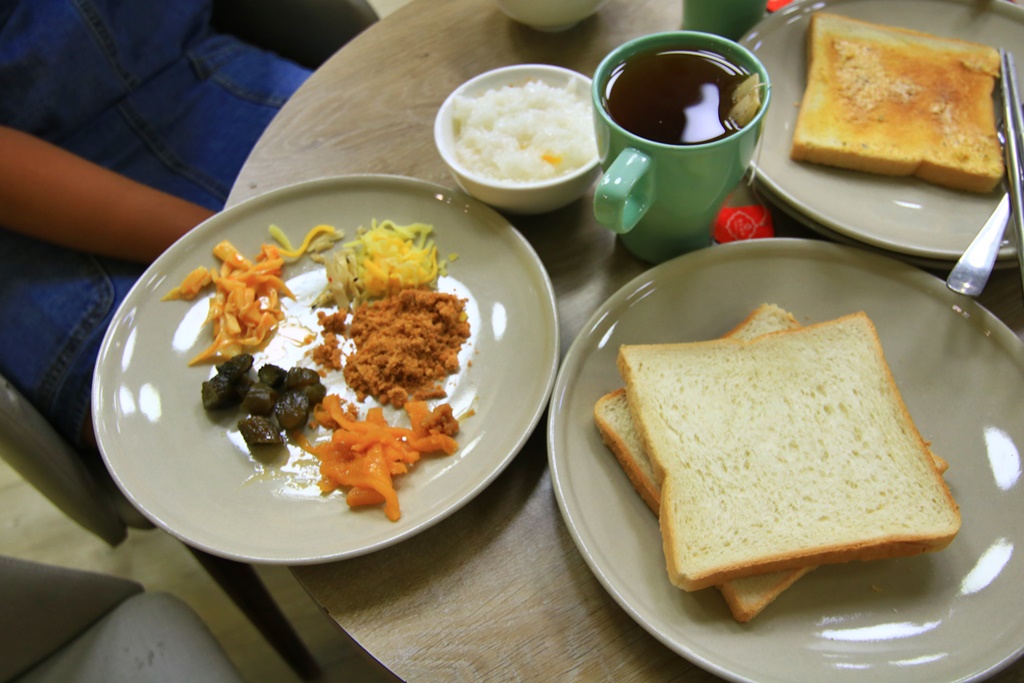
(961, 375)
(190, 471)
(904, 216)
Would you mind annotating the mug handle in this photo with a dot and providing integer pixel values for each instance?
(625, 191)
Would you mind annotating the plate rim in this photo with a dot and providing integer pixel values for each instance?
(331, 183)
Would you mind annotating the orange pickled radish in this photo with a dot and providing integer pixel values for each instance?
(246, 306)
(365, 455)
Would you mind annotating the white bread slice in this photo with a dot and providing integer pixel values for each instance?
(615, 424)
(898, 102)
(747, 597)
(797, 451)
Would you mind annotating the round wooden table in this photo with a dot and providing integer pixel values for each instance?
(498, 591)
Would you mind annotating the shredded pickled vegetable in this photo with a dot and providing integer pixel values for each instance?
(380, 261)
(312, 241)
(245, 308)
(279, 235)
(365, 455)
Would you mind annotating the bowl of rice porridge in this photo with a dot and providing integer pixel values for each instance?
(520, 138)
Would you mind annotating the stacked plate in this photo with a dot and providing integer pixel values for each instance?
(909, 218)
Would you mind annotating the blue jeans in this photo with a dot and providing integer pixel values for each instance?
(146, 89)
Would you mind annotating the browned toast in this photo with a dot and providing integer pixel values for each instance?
(898, 102)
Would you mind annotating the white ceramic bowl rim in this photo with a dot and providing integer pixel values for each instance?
(444, 118)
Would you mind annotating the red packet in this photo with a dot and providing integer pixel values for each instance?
(743, 223)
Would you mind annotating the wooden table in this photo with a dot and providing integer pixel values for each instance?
(498, 591)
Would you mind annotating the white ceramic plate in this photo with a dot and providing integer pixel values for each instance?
(189, 472)
(956, 615)
(902, 215)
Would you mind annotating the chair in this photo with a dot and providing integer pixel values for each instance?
(68, 625)
(89, 496)
(305, 31)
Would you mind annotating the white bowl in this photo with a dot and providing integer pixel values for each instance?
(523, 197)
(549, 15)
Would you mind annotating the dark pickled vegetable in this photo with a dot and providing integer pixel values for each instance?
(292, 409)
(272, 375)
(301, 377)
(243, 384)
(314, 393)
(230, 385)
(220, 392)
(258, 430)
(260, 399)
(275, 399)
(236, 367)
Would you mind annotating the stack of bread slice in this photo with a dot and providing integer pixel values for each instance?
(773, 450)
(898, 102)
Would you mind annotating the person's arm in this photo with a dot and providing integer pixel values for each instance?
(53, 195)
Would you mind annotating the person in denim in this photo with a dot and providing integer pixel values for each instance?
(123, 124)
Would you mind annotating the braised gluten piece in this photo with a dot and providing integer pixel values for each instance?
(898, 102)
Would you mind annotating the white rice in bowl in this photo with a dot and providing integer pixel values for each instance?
(524, 133)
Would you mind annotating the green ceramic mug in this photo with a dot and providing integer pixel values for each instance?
(663, 198)
(728, 18)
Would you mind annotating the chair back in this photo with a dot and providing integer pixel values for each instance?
(34, 449)
(305, 31)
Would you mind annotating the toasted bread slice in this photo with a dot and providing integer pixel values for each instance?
(797, 451)
(898, 102)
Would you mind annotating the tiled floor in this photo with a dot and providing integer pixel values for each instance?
(32, 528)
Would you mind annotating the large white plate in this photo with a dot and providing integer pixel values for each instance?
(189, 473)
(956, 615)
(902, 215)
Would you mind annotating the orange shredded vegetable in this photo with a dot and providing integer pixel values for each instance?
(191, 286)
(366, 455)
(246, 306)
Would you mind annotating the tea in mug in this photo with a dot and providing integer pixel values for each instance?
(681, 96)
